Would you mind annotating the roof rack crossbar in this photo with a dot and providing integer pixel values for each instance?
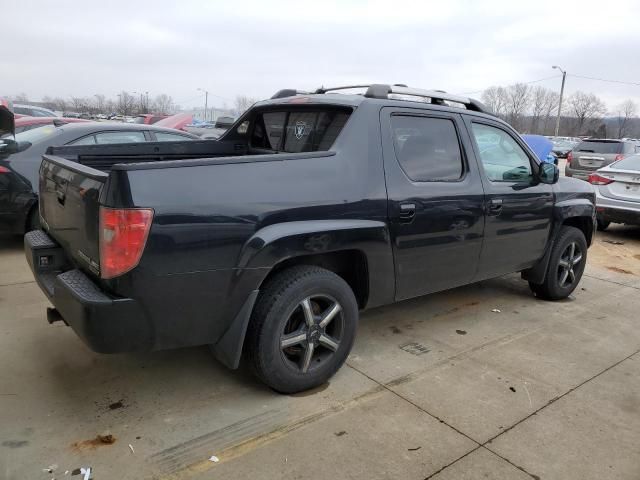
(346, 87)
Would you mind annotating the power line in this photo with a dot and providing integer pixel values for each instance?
(604, 79)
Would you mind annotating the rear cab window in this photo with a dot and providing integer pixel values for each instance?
(296, 130)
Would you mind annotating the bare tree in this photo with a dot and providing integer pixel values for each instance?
(99, 102)
(585, 107)
(21, 98)
(163, 104)
(626, 111)
(60, 104)
(495, 98)
(518, 100)
(543, 101)
(551, 109)
(77, 103)
(126, 102)
(49, 102)
(242, 103)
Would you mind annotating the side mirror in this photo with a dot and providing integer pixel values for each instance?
(548, 173)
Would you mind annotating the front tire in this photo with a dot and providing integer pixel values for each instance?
(566, 265)
(302, 328)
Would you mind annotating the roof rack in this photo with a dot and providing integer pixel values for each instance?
(288, 92)
(437, 97)
(380, 90)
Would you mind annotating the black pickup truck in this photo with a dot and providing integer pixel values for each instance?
(310, 208)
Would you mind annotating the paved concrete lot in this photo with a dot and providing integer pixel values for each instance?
(439, 387)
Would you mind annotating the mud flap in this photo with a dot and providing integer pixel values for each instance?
(228, 350)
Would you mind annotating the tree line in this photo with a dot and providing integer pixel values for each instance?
(124, 103)
(534, 110)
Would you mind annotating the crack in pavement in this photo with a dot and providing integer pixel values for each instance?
(610, 281)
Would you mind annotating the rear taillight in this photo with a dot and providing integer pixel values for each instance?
(4, 170)
(595, 179)
(123, 234)
(569, 157)
(618, 157)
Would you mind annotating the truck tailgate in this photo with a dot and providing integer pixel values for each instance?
(69, 207)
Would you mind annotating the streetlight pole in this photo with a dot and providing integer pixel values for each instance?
(206, 102)
(564, 75)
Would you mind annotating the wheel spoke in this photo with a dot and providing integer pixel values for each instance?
(563, 278)
(330, 314)
(577, 259)
(572, 276)
(572, 250)
(309, 318)
(328, 341)
(564, 263)
(292, 339)
(308, 354)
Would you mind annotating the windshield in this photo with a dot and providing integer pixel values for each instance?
(630, 163)
(603, 147)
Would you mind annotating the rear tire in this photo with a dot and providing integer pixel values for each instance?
(302, 328)
(566, 265)
(33, 219)
(603, 224)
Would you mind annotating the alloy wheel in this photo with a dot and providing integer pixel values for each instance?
(569, 260)
(312, 333)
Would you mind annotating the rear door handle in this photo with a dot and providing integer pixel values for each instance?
(495, 206)
(407, 212)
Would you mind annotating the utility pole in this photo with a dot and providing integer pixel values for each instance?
(564, 75)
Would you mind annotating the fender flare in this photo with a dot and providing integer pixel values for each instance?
(278, 242)
(563, 210)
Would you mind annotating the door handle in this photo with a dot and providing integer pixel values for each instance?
(407, 212)
(495, 206)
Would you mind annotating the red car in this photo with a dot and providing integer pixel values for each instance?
(148, 118)
(28, 123)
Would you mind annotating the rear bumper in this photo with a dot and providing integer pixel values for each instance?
(105, 323)
(577, 173)
(617, 211)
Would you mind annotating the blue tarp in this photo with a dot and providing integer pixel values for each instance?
(541, 146)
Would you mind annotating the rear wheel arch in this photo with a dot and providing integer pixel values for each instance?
(350, 264)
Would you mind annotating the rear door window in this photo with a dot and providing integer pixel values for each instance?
(427, 148)
(298, 130)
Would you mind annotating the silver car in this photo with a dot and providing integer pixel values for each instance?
(618, 192)
(594, 153)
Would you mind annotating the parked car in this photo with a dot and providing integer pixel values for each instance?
(333, 203)
(148, 118)
(20, 161)
(618, 192)
(561, 148)
(594, 153)
(178, 121)
(28, 123)
(32, 111)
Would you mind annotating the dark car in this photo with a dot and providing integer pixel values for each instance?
(19, 170)
(32, 111)
(309, 209)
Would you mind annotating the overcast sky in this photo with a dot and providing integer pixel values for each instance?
(81, 48)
